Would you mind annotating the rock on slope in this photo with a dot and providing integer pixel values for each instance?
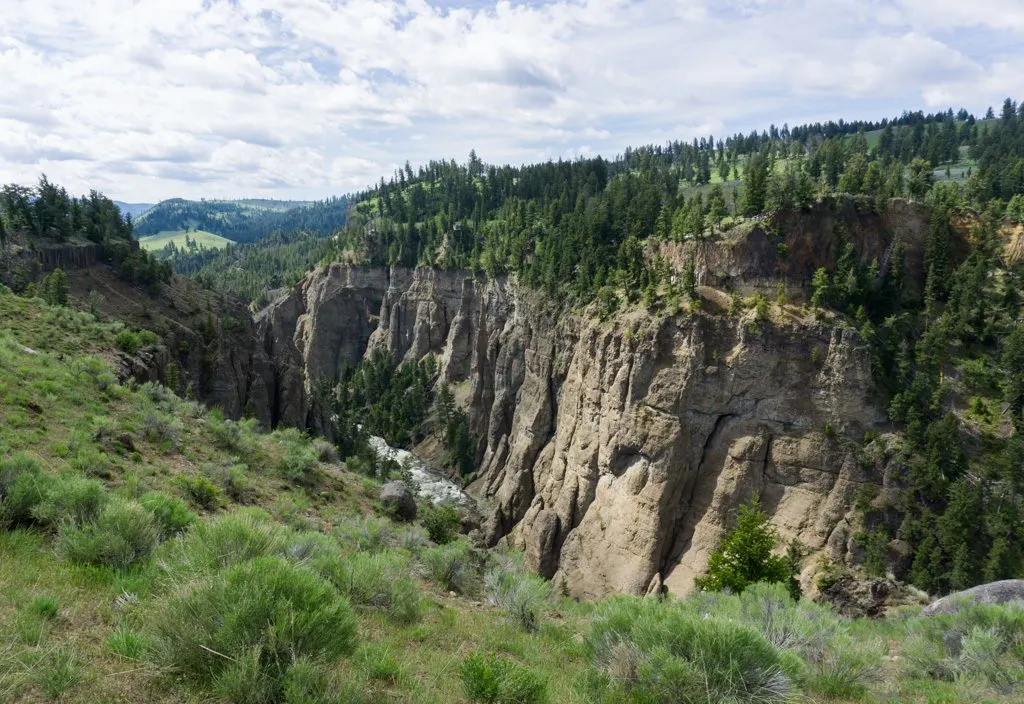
(614, 452)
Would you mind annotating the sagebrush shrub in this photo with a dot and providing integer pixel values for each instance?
(680, 655)
(157, 393)
(411, 538)
(981, 642)
(124, 534)
(171, 514)
(298, 457)
(200, 490)
(237, 483)
(26, 490)
(364, 533)
(162, 428)
(453, 566)
(242, 630)
(498, 680)
(379, 580)
(520, 594)
(70, 499)
(225, 541)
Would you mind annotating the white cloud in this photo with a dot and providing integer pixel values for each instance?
(149, 99)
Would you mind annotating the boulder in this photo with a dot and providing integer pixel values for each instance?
(992, 593)
(855, 597)
(398, 499)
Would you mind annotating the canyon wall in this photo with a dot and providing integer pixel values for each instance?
(614, 452)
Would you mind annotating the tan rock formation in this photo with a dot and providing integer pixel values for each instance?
(614, 453)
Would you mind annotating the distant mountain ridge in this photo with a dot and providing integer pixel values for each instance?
(244, 220)
(133, 209)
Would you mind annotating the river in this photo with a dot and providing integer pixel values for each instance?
(432, 485)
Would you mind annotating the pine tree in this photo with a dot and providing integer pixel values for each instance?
(747, 556)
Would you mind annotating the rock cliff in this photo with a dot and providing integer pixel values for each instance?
(613, 452)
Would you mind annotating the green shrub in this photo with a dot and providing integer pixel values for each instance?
(309, 682)
(200, 490)
(72, 499)
(379, 580)
(453, 566)
(127, 341)
(442, 523)
(380, 664)
(666, 652)
(520, 594)
(171, 514)
(844, 670)
(14, 466)
(124, 534)
(225, 541)
(243, 630)
(28, 491)
(498, 680)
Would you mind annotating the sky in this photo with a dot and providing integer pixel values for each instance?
(152, 99)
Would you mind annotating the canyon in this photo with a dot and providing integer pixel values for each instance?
(614, 449)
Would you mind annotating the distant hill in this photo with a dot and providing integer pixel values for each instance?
(203, 240)
(243, 220)
(133, 209)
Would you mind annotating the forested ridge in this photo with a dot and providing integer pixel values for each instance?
(47, 215)
(581, 225)
(244, 220)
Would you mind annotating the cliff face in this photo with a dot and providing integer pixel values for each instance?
(614, 452)
(208, 343)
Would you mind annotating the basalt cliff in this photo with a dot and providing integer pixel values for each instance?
(614, 451)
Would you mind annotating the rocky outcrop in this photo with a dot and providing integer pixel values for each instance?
(1005, 591)
(788, 247)
(614, 453)
(208, 347)
(874, 597)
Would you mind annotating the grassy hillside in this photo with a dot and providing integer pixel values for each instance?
(203, 239)
(154, 551)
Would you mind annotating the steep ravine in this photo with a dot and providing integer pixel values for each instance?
(614, 452)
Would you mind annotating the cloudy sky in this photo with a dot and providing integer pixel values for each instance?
(150, 99)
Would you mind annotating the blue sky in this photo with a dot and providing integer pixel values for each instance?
(150, 99)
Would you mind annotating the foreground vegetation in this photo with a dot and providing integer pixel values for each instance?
(156, 551)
